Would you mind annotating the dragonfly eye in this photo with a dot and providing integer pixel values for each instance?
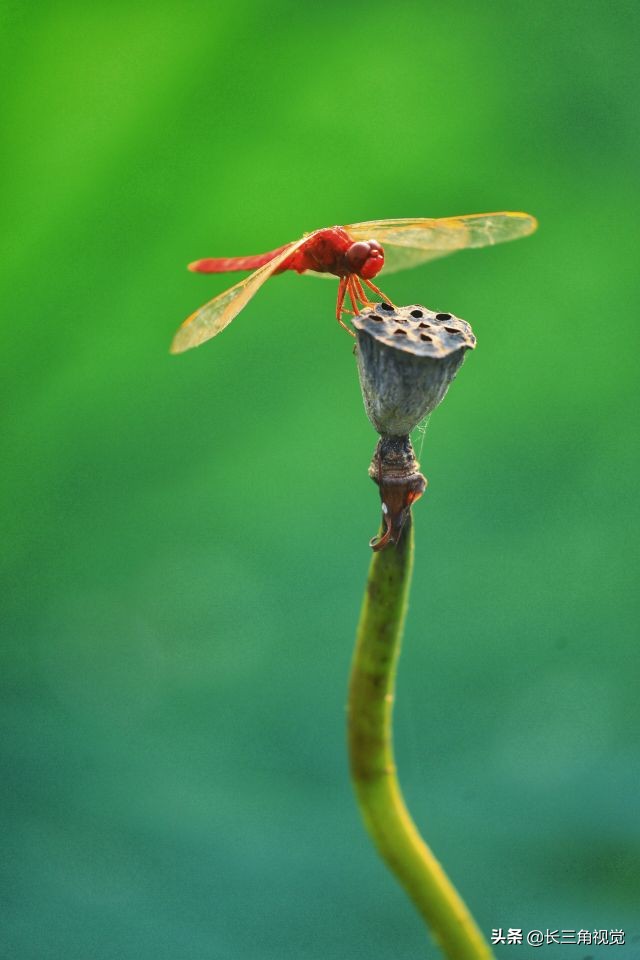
(356, 255)
(366, 258)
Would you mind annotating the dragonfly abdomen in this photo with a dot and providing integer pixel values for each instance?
(229, 264)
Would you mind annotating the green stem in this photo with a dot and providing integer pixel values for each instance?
(372, 763)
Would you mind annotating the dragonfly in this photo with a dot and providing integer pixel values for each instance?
(355, 254)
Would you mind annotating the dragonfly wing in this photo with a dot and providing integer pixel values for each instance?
(398, 258)
(218, 313)
(408, 243)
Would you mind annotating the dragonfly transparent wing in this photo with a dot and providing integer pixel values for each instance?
(408, 243)
(218, 313)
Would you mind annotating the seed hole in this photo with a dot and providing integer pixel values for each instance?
(417, 314)
(452, 330)
(426, 326)
(387, 306)
(374, 316)
(425, 336)
(398, 330)
(443, 316)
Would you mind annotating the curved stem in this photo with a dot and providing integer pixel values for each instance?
(372, 763)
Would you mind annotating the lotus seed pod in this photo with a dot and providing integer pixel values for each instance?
(407, 357)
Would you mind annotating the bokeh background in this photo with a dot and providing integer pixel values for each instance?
(184, 540)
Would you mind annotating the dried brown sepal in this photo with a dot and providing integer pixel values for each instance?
(397, 472)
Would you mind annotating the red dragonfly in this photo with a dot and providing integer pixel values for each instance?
(355, 254)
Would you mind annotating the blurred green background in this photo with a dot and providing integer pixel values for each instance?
(185, 538)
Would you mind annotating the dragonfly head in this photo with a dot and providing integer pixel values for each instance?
(366, 258)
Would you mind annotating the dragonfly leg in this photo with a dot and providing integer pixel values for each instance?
(342, 289)
(353, 294)
(362, 295)
(377, 290)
